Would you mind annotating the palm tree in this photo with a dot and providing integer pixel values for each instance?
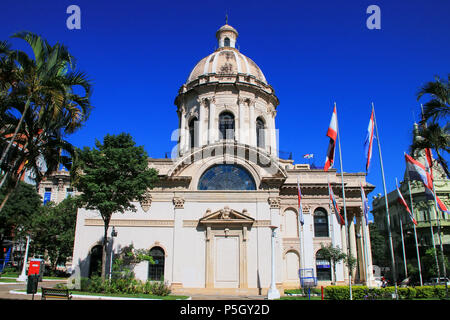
(46, 85)
(37, 150)
(438, 107)
(434, 137)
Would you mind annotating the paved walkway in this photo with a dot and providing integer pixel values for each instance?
(5, 294)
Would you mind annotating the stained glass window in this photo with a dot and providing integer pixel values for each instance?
(226, 177)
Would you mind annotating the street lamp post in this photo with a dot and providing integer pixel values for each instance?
(23, 275)
(113, 235)
(273, 291)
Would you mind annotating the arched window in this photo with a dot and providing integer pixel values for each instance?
(192, 127)
(226, 125)
(226, 177)
(320, 223)
(260, 141)
(226, 42)
(156, 271)
(323, 267)
(95, 265)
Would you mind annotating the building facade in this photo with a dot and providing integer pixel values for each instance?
(209, 219)
(433, 228)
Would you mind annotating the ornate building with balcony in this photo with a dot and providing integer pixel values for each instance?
(209, 220)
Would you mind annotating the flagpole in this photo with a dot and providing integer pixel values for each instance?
(440, 239)
(300, 231)
(331, 229)
(437, 220)
(388, 223)
(366, 255)
(345, 209)
(403, 241)
(415, 232)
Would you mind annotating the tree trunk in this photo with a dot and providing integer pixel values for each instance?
(16, 131)
(5, 176)
(11, 190)
(106, 219)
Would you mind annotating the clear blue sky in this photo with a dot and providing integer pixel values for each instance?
(139, 53)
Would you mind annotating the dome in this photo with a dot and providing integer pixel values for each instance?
(226, 60)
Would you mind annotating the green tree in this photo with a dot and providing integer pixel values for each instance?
(333, 254)
(379, 249)
(112, 176)
(429, 268)
(15, 217)
(53, 231)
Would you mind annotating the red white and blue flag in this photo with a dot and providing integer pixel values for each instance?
(418, 171)
(335, 206)
(300, 208)
(332, 134)
(402, 201)
(368, 143)
(441, 205)
(365, 204)
(308, 156)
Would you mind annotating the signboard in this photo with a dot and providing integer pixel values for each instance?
(34, 267)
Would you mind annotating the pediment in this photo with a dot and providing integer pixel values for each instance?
(227, 216)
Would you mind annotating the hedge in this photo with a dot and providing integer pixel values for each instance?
(365, 293)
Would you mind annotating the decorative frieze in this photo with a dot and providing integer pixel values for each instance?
(146, 201)
(274, 202)
(130, 223)
(178, 202)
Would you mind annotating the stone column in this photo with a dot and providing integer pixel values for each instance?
(274, 203)
(201, 115)
(177, 260)
(211, 127)
(242, 132)
(353, 251)
(344, 249)
(182, 143)
(273, 291)
(360, 249)
(252, 124)
(273, 134)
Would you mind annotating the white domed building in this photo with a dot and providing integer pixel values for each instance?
(209, 220)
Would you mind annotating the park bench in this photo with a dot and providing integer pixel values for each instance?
(55, 293)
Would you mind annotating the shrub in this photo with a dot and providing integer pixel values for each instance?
(160, 288)
(424, 292)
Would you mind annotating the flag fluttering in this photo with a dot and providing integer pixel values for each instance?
(365, 204)
(402, 201)
(368, 143)
(308, 156)
(335, 206)
(300, 208)
(442, 206)
(332, 134)
(418, 171)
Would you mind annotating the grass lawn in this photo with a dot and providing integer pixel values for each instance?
(123, 295)
(300, 298)
(8, 280)
(127, 295)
